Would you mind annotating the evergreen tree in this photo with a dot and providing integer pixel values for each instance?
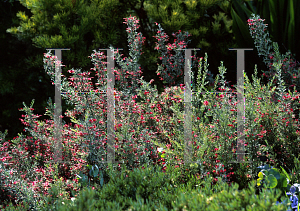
(77, 24)
(20, 81)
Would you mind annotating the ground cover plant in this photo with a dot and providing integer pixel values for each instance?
(145, 121)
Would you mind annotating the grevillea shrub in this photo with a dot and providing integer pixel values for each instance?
(28, 158)
(174, 125)
(254, 129)
(13, 188)
(158, 105)
(289, 71)
(97, 67)
(139, 131)
(279, 135)
(271, 55)
(37, 151)
(153, 114)
(171, 69)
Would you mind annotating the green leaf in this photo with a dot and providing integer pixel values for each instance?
(284, 181)
(83, 179)
(265, 172)
(275, 173)
(271, 181)
(242, 11)
(95, 171)
(285, 173)
(101, 181)
(291, 25)
(250, 5)
(240, 28)
(273, 11)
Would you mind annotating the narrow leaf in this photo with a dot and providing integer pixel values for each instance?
(291, 28)
(241, 29)
(285, 173)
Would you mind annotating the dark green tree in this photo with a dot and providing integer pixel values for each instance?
(77, 24)
(20, 81)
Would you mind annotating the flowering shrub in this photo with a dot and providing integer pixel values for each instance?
(280, 64)
(146, 120)
(271, 55)
(171, 69)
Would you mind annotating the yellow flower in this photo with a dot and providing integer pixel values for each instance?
(210, 199)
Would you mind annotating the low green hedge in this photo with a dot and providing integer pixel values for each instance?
(149, 189)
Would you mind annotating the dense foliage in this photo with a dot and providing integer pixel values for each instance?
(150, 134)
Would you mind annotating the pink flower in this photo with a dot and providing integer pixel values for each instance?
(205, 103)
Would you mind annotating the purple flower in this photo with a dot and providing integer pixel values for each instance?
(293, 198)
